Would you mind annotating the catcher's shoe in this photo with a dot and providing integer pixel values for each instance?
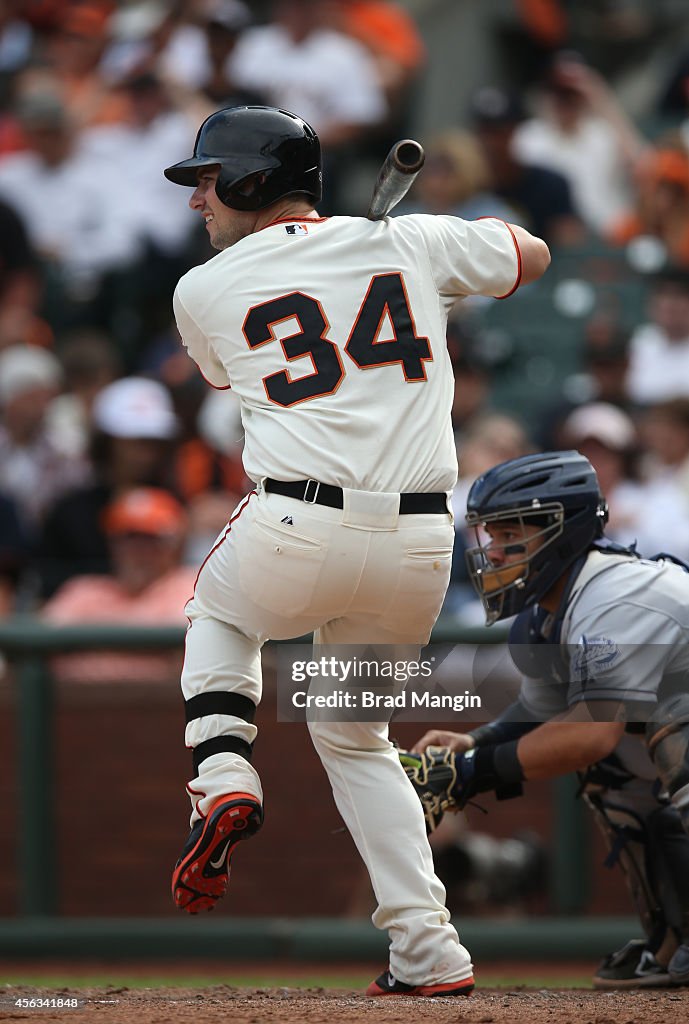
(388, 985)
(201, 874)
(633, 966)
(678, 968)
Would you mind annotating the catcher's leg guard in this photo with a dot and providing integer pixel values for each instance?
(647, 839)
(667, 736)
(628, 845)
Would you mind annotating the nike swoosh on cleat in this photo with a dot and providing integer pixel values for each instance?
(219, 862)
(391, 980)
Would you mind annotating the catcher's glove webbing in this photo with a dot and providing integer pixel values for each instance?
(445, 781)
(433, 775)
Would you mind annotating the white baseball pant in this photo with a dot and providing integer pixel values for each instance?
(362, 574)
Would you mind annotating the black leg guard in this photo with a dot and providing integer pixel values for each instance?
(627, 840)
(667, 736)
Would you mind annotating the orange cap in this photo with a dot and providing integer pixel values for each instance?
(145, 510)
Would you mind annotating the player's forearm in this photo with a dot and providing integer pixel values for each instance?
(551, 749)
(514, 722)
(556, 748)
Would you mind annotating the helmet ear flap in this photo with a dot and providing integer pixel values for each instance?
(239, 195)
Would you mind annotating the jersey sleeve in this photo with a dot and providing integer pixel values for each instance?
(196, 342)
(542, 699)
(471, 257)
(618, 652)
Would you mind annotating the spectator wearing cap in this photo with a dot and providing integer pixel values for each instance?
(660, 205)
(34, 471)
(541, 197)
(609, 440)
(145, 530)
(659, 348)
(133, 441)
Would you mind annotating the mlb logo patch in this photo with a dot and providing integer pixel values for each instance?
(296, 229)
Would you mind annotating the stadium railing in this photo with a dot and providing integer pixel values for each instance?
(38, 930)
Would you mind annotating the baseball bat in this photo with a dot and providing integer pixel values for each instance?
(400, 167)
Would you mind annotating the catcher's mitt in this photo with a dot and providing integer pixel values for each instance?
(433, 775)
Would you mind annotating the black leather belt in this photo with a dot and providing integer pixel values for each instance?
(314, 493)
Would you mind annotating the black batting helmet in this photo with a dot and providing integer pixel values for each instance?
(263, 154)
(557, 492)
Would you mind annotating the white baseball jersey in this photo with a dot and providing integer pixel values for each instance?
(332, 332)
(625, 635)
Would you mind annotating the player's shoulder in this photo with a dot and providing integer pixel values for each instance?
(628, 594)
(187, 286)
(198, 279)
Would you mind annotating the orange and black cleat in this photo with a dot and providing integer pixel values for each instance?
(388, 985)
(201, 874)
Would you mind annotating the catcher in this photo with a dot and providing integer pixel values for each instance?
(601, 637)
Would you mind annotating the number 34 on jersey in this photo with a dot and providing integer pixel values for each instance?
(385, 301)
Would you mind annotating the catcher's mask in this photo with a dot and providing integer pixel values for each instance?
(263, 154)
(558, 494)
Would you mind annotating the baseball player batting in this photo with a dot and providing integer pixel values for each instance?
(332, 334)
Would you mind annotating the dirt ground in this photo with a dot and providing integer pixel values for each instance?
(341, 1006)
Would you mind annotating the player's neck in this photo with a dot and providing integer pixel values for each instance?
(551, 601)
(299, 209)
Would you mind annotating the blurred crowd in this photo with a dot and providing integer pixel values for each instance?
(118, 466)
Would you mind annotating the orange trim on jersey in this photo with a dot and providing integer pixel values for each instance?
(215, 547)
(221, 541)
(519, 256)
(296, 220)
(199, 793)
(216, 387)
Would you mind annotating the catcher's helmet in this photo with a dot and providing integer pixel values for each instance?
(263, 154)
(556, 491)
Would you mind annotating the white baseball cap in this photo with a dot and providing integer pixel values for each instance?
(25, 367)
(601, 421)
(135, 407)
